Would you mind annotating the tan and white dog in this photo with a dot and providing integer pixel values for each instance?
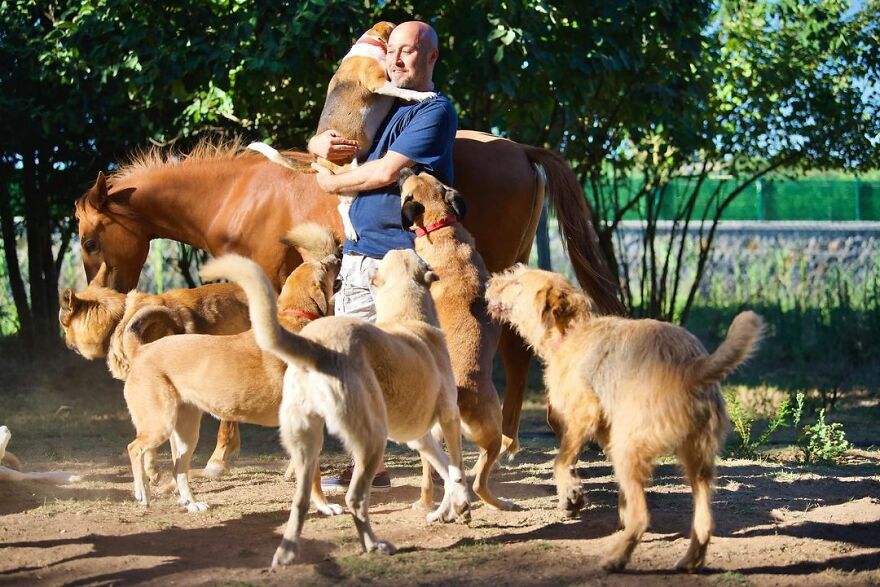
(10, 467)
(101, 322)
(359, 97)
(433, 210)
(640, 388)
(365, 382)
(174, 380)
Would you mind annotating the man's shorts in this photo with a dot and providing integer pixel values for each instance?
(355, 295)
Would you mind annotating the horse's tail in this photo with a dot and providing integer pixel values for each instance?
(275, 156)
(578, 234)
(270, 336)
(313, 241)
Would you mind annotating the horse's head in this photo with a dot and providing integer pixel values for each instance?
(108, 233)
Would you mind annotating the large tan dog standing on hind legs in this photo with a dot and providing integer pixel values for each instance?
(359, 98)
(640, 388)
(366, 382)
(433, 211)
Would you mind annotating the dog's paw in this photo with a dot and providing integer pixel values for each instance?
(351, 235)
(422, 96)
(330, 509)
(383, 547)
(573, 501)
(73, 479)
(502, 505)
(194, 507)
(613, 564)
(285, 554)
(691, 563)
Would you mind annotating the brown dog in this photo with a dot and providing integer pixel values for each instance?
(359, 98)
(433, 210)
(101, 322)
(640, 388)
(174, 380)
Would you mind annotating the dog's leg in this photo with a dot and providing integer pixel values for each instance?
(186, 436)
(489, 451)
(700, 471)
(136, 450)
(344, 208)
(302, 436)
(632, 470)
(569, 489)
(426, 496)
(228, 445)
(323, 506)
(389, 89)
(455, 504)
(515, 356)
(367, 459)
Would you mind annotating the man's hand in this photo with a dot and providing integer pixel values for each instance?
(332, 146)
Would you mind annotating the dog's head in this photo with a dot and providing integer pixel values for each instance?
(401, 268)
(89, 317)
(310, 285)
(424, 200)
(537, 303)
(381, 31)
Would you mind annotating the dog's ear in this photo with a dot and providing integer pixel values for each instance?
(410, 213)
(105, 277)
(68, 306)
(430, 277)
(561, 307)
(405, 174)
(97, 196)
(454, 198)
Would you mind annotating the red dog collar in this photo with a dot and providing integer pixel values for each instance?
(371, 41)
(300, 313)
(448, 221)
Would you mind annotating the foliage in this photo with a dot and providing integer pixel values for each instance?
(823, 442)
(742, 419)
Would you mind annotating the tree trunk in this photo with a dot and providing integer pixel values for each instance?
(19, 295)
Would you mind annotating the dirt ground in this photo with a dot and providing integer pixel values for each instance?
(777, 522)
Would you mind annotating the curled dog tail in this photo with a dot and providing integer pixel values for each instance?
(313, 241)
(148, 324)
(270, 336)
(743, 336)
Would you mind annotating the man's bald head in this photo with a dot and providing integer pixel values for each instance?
(412, 53)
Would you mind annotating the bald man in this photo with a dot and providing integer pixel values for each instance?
(415, 134)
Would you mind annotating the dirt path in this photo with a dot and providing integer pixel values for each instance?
(777, 524)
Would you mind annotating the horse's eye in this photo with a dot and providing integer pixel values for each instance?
(90, 246)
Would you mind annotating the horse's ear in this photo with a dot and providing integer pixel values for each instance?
(454, 198)
(98, 193)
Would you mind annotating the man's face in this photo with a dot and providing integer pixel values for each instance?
(408, 63)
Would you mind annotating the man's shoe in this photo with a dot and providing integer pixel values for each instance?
(340, 482)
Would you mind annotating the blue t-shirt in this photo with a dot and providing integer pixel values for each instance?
(424, 132)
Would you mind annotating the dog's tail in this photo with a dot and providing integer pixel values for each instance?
(742, 337)
(149, 323)
(313, 241)
(270, 336)
(276, 157)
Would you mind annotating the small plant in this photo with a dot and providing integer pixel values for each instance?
(742, 424)
(823, 442)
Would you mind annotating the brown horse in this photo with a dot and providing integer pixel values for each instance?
(226, 201)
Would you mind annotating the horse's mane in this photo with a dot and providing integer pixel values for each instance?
(207, 149)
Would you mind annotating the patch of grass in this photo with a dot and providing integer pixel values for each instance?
(731, 579)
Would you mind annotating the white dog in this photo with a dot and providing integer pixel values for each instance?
(366, 382)
(8, 473)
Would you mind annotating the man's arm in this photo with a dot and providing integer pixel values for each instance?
(368, 176)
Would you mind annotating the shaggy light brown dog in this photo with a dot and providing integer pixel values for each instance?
(100, 322)
(433, 211)
(640, 388)
(174, 380)
(366, 382)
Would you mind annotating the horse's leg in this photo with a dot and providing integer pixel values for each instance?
(516, 357)
(228, 445)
